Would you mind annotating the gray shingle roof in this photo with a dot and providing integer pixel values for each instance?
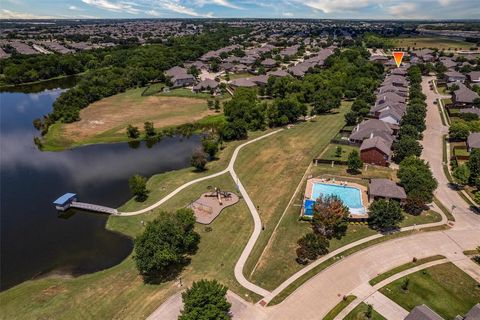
(372, 126)
(378, 143)
(423, 312)
(386, 189)
(474, 313)
(473, 140)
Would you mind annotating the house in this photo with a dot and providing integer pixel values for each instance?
(182, 80)
(370, 128)
(376, 150)
(473, 141)
(448, 62)
(463, 96)
(260, 80)
(385, 189)
(278, 73)
(206, 85)
(380, 59)
(269, 63)
(474, 313)
(455, 76)
(175, 71)
(392, 115)
(243, 82)
(394, 80)
(474, 76)
(392, 97)
(399, 72)
(423, 312)
(473, 110)
(401, 91)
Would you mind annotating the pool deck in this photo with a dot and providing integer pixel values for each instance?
(363, 192)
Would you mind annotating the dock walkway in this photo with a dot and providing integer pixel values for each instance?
(93, 207)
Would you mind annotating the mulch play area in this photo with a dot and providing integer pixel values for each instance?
(210, 204)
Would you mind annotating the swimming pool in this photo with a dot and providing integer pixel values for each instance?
(350, 196)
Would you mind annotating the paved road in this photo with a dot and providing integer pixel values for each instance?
(386, 307)
(433, 153)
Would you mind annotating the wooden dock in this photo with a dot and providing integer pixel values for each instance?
(93, 207)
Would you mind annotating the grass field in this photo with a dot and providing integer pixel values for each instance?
(330, 152)
(119, 292)
(359, 313)
(444, 288)
(339, 307)
(432, 42)
(403, 267)
(106, 120)
(272, 168)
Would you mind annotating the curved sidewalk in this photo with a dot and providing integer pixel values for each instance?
(256, 217)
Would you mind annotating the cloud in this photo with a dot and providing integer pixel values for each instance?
(7, 14)
(445, 2)
(74, 8)
(127, 7)
(287, 14)
(177, 7)
(403, 10)
(328, 6)
(153, 13)
(223, 3)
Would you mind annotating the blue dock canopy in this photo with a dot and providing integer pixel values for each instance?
(66, 198)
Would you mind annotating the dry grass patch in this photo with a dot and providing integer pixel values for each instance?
(110, 116)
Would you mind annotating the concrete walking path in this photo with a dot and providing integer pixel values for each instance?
(386, 307)
(256, 217)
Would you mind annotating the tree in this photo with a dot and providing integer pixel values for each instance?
(417, 179)
(166, 243)
(205, 300)
(234, 130)
(369, 312)
(210, 146)
(338, 152)
(414, 205)
(217, 105)
(330, 217)
(138, 187)
(461, 174)
(149, 129)
(199, 159)
(474, 164)
(405, 147)
(133, 132)
(210, 104)
(351, 118)
(407, 130)
(459, 130)
(384, 215)
(354, 162)
(310, 246)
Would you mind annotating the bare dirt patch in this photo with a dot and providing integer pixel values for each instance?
(110, 116)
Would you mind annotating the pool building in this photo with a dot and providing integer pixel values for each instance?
(353, 195)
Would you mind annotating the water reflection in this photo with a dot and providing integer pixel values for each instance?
(34, 240)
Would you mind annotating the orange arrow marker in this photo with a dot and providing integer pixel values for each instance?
(398, 55)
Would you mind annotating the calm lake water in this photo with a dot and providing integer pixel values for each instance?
(35, 240)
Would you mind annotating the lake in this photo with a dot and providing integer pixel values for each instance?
(35, 240)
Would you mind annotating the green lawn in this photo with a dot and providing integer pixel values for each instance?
(119, 292)
(403, 267)
(234, 76)
(339, 307)
(359, 313)
(330, 152)
(444, 288)
(272, 168)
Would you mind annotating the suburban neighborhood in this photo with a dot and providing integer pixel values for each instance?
(237, 167)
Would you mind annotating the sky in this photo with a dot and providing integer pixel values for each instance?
(322, 9)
